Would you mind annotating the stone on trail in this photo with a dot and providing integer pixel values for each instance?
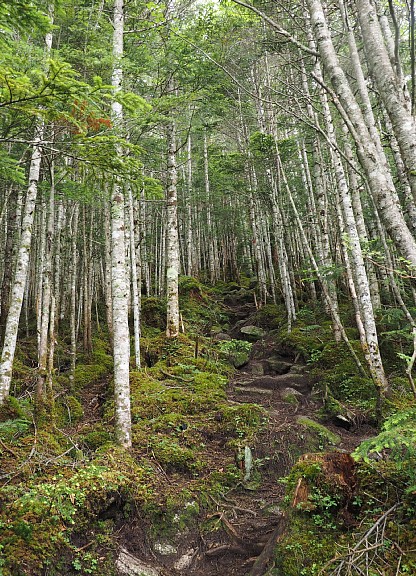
(222, 336)
(291, 396)
(252, 390)
(327, 435)
(256, 369)
(277, 365)
(252, 333)
(129, 565)
(239, 359)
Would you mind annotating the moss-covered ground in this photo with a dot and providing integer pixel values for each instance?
(70, 498)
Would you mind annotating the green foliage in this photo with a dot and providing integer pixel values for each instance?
(21, 15)
(11, 429)
(10, 169)
(398, 436)
(262, 145)
(231, 347)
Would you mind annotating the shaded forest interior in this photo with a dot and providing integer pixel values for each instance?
(207, 288)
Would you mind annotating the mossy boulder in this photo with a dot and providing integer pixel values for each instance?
(252, 333)
(325, 435)
(291, 396)
(270, 317)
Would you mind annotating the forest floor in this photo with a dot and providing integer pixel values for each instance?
(237, 535)
(233, 471)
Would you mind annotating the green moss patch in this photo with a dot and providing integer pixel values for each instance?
(325, 436)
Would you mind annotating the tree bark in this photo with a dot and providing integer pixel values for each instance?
(119, 286)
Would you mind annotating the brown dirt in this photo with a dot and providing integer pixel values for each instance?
(237, 534)
(245, 523)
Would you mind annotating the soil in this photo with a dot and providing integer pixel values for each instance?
(246, 522)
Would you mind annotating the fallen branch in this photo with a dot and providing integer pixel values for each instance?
(180, 378)
(8, 449)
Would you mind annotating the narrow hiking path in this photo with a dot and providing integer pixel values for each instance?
(249, 518)
(237, 535)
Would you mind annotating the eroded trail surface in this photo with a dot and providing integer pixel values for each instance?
(249, 519)
(237, 535)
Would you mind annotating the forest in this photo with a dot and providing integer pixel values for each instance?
(207, 288)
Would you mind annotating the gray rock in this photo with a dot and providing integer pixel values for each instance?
(129, 565)
(277, 365)
(164, 548)
(252, 390)
(185, 561)
(296, 381)
(291, 395)
(297, 369)
(222, 336)
(252, 333)
(256, 368)
(239, 359)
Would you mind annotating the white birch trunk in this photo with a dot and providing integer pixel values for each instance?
(73, 263)
(383, 193)
(119, 286)
(19, 282)
(389, 87)
(172, 239)
(136, 296)
(46, 296)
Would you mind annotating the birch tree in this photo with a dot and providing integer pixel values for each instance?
(23, 254)
(119, 285)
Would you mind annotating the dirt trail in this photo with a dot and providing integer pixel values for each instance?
(249, 519)
(238, 534)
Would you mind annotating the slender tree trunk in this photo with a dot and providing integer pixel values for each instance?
(136, 289)
(47, 291)
(19, 282)
(73, 267)
(389, 87)
(172, 239)
(380, 185)
(12, 224)
(119, 286)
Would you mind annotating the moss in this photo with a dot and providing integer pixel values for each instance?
(172, 456)
(189, 286)
(69, 410)
(101, 353)
(306, 548)
(290, 398)
(270, 317)
(305, 340)
(325, 436)
(153, 312)
(87, 374)
(97, 437)
(243, 421)
(13, 409)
